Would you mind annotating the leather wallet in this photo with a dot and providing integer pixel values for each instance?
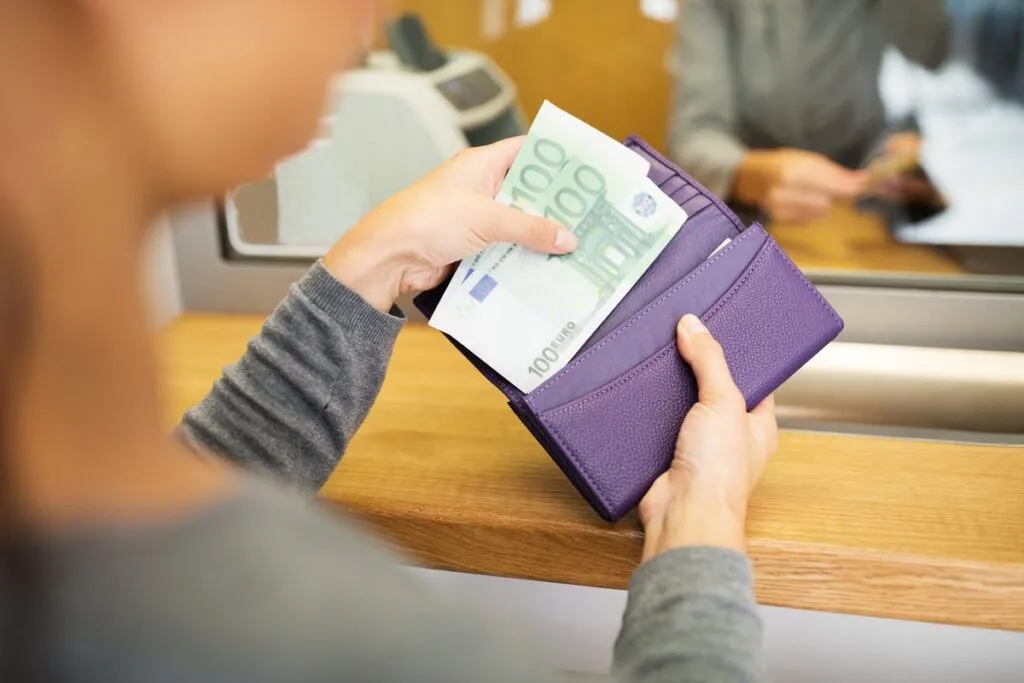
(611, 417)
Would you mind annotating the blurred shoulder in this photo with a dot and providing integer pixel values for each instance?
(266, 586)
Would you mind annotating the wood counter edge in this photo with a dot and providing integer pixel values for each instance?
(906, 572)
(790, 574)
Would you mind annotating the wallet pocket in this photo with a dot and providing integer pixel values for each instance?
(703, 231)
(653, 326)
(620, 434)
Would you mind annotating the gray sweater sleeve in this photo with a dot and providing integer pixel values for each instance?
(691, 617)
(703, 136)
(920, 29)
(293, 401)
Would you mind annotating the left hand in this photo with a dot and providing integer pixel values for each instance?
(897, 180)
(409, 242)
(721, 453)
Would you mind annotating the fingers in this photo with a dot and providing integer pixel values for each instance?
(838, 182)
(901, 144)
(890, 189)
(795, 205)
(499, 223)
(494, 161)
(824, 176)
(765, 407)
(766, 425)
(503, 152)
(715, 385)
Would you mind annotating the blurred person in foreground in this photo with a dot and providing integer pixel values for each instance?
(130, 556)
(777, 104)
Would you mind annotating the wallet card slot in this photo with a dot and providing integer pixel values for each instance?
(702, 233)
(583, 484)
(660, 172)
(680, 190)
(673, 185)
(662, 168)
(621, 438)
(684, 197)
(621, 435)
(653, 327)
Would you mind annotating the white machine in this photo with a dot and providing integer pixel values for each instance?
(387, 124)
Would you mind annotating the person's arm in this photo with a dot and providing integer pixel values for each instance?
(306, 382)
(702, 130)
(293, 401)
(920, 29)
(691, 618)
(691, 615)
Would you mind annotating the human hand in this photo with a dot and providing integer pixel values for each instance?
(895, 176)
(720, 454)
(408, 243)
(794, 185)
(904, 188)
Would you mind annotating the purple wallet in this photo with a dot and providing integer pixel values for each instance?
(611, 417)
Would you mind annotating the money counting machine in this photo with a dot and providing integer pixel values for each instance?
(407, 109)
(387, 124)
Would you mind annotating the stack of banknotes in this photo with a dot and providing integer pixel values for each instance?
(526, 314)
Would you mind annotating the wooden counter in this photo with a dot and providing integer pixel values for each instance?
(906, 529)
(847, 240)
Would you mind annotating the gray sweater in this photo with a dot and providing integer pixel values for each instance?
(762, 74)
(268, 586)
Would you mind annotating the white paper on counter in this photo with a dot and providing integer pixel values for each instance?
(660, 10)
(531, 12)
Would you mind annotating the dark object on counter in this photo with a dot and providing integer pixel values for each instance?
(408, 38)
(610, 418)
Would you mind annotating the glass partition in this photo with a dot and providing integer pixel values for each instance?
(922, 99)
(881, 142)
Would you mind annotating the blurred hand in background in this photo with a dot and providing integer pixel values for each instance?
(795, 185)
(896, 175)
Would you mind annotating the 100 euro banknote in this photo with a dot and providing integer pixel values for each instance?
(554, 137)
(529, 315)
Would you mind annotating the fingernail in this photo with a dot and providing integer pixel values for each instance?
(693, 325)
(565, 240)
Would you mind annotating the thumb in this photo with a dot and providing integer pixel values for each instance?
(842, 182)
(715, 386)
(500, 223)
(821, 174)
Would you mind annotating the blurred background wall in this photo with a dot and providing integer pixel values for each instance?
(604, 60)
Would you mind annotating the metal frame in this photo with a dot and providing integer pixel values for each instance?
(832, 393)
(910, 311)
(212, 280)
(990, 321)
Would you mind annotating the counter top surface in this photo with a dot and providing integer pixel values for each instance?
(852, 242)
(874, 526)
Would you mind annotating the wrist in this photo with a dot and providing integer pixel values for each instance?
(697, 518)
(754, 177)
(373, 274)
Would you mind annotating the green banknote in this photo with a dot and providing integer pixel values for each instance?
(530, 313)
(554, 136)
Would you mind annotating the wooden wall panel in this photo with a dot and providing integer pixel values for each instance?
(601, 60)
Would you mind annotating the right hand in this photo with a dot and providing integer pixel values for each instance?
(720, 455)
(904, 184)
(794, 185)
(409, 243)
